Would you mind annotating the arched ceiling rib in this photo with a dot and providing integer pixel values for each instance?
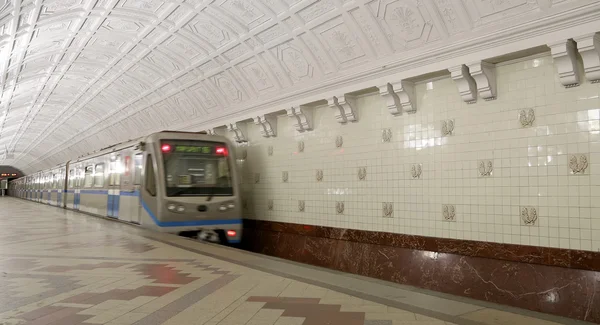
(76, 75)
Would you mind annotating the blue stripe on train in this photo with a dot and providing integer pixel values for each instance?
(156, 221)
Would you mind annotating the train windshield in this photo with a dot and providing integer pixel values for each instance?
(196, 168)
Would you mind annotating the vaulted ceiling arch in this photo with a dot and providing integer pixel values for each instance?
(78, 74)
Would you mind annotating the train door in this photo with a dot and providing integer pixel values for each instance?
(129, 203)
(115, 169)
(149, 188)
(77, 185)
(60, 200)
(138, 159)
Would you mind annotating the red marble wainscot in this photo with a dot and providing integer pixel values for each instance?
(584, 260)
(567, 292)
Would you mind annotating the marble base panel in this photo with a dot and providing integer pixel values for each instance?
(465, 270)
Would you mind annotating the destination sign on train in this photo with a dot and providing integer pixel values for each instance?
(193, 149)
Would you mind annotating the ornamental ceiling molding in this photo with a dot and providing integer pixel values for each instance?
(205, 63)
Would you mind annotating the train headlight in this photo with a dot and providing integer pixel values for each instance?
(230, 206)
(222, 208)
(171, 207)
(180, 208)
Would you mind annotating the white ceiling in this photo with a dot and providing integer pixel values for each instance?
(77, 75)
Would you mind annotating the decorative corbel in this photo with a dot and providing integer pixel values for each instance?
(267, 124)
(589, 48)
(210, 132)
(302, 117)
(344, 110)
(399, 97)
(565, 59)
(238, 130)
(465, 83)
(484, 75)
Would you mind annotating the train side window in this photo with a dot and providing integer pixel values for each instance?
(99, 175)
(150, 182)
(137, 173)
(89, 180)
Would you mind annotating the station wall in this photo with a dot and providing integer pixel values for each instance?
(402, 174)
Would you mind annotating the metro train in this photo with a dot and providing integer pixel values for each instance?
(177, 182)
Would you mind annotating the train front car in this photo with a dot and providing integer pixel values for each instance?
(190, 186)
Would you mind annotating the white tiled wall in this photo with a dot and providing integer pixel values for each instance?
(530, 165)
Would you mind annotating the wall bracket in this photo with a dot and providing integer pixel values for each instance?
(467, 87)
(589, 48)
(484, 75)
(238, 130)
(565, 59)
(399, 97)
(302, 116)
(344, 109)
(267, 125)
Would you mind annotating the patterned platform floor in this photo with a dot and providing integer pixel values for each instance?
(64, 268)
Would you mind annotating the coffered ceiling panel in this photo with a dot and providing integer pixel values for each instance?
(77, 75)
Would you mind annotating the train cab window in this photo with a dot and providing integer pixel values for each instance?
(150, 178)
(99, 175)
(89, 179)
(137, 173)
(196, 168)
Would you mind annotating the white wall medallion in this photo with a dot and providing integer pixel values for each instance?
(465, 83)
(339, 141)
(267, 125)
(362, 173)
(526, 117)
(484, 75)
(447, 127)
(416, 170)
(344, 110)
(270, 205)
(589, 49)
(485, 167)
(399, 97)
(386, 135)
(529, 216)
(300, 146)
(339, 207)
(302, 118)
(578, 164)
(239, 131)
(256, 178)
(284, 176)
(270, 151)
(564, 55)
(301, 205)
(319, 175)
(449, 212)
(388, 209)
